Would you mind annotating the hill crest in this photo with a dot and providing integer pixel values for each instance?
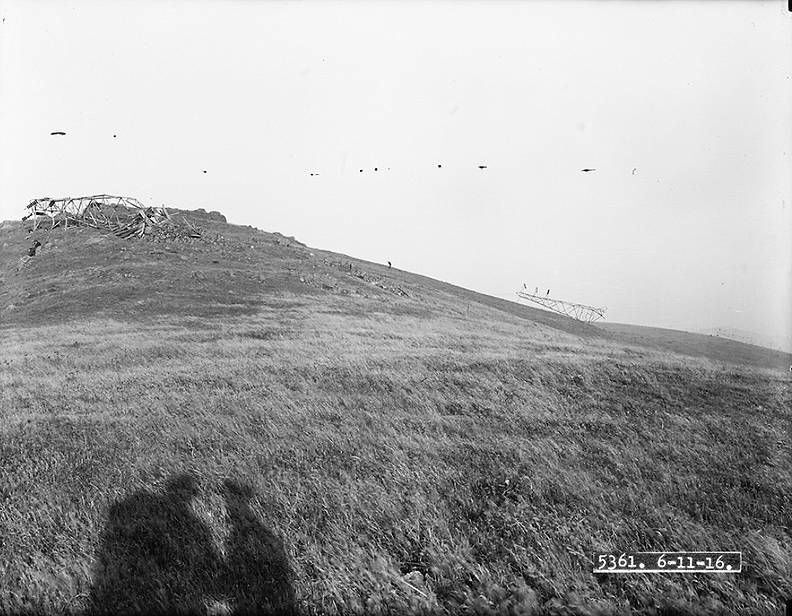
(233, 270)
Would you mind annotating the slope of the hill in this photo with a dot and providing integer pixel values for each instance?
(780, 343)
(699, 345)
(240, 422)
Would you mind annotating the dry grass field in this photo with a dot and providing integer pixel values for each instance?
(242, 423)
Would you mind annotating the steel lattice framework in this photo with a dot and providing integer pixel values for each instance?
(581, 312)
(99, 211)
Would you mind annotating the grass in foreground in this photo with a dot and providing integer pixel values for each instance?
(359, 461)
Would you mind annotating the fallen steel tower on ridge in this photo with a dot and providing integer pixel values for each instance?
(581, 312)
(124, 216)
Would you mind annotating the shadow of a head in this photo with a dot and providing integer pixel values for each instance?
(182, 487)
(233, 490)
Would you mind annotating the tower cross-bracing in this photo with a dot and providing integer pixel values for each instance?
(581, 312)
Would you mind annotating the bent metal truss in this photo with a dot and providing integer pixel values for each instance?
(98, 211)
(581, 312)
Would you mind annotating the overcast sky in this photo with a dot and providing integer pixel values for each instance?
(683, 108)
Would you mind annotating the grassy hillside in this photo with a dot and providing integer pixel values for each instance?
(242, 422)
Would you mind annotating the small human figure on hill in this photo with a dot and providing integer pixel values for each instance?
(32, 250)
(548, 292)
(389, 264)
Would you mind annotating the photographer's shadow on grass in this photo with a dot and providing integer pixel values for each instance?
(157, 557)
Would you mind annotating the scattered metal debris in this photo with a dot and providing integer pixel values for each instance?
(193, 231)
(124, 216)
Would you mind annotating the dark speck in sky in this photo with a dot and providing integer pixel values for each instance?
(204, 170)
(57, 132)
(587, 170)
(439, 166)
(375, 168)
(482, 166)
